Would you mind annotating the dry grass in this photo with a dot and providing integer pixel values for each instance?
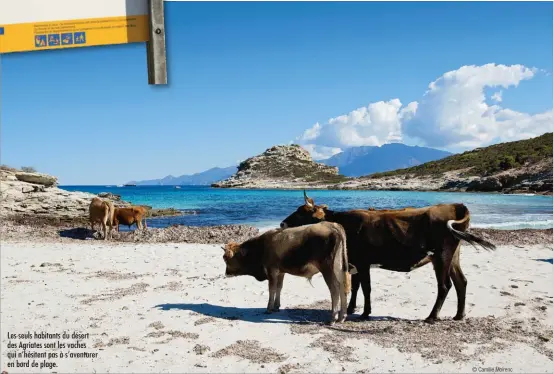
(173, 334)
(117, 293)
(252, 351)
(204, 320)
(158, 325)
(446, 339)
(200, 349)
(172, 286)
(115, 276)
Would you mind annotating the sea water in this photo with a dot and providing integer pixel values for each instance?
(265, 209)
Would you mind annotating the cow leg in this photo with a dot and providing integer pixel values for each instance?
(365, 280)
(441, 263)
(105, 229)
(334, 287)
(355, 287)
(460, 283)
(277, 305)
(272, 279)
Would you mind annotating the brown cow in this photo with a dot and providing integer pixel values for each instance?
(130, 216)
(301, 251)
(101, 211)
(400, 240)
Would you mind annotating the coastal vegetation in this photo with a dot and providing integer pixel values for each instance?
(485, 161)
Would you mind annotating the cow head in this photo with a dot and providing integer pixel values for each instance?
(305, 214)
(233, 256)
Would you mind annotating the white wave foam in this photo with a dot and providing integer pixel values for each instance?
(546, 224)
(266, 226)
(510, 225)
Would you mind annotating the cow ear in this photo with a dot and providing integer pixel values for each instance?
(319, 214)
(324, 206)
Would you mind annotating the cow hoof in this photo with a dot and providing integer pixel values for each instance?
(268, 311)
(431, 320)
(458, 317)
(341, 319)
(363, 317)
(350, 311)
(276, 309)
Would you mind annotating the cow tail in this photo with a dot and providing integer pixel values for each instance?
(466, 236)
(347, 275)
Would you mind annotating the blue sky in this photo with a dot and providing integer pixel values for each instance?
(246, 76)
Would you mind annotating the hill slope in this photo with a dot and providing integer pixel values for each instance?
(203, 178)
(282, 167)
(358, 161)
(520, 166)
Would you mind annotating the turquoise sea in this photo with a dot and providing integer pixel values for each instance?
(267, 208)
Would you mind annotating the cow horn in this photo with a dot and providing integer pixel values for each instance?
(309, 202)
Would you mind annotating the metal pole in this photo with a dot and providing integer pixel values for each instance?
(155, 47)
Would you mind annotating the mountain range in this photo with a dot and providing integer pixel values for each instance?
(358, 161)
(353, 162)
(203, 178)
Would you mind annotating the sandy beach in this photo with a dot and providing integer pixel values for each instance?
(167, 307)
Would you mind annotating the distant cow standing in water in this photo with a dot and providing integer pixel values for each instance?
(130, 216)
(400, 240)
(302, 251)
(101, 211)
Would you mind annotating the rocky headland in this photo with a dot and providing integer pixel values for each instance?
(516, 167)
(282, 167)
(37, 194)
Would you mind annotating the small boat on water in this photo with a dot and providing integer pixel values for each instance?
(177, 187)
(129, 185)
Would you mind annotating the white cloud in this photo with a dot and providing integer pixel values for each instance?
(497, 96)
(319, 152)
(376, 124)
(452, 114)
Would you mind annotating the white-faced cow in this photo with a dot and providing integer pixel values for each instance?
(302, 251)
(400, 240)
(101, 211)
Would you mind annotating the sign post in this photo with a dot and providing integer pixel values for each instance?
(37, 25)
(155, 46)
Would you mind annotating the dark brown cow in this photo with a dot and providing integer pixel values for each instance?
(130, 216)
(301, 251)
(400, 240)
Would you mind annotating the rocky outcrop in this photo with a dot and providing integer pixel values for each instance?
(36, 178)
(40, 197)
(19, 197)
(282, 167)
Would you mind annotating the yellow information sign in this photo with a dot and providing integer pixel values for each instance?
(34, 25)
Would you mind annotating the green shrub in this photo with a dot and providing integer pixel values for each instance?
(28, 169)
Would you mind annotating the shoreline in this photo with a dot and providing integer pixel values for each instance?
(54, 229)
(327, 188)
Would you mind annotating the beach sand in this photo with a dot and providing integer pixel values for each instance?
(166, 307)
